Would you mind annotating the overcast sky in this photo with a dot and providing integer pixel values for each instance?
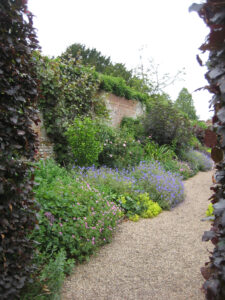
(119, 28)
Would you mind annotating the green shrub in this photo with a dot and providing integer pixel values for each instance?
(49, 278)
(74, 220)
(81, 136)
(139, 205)
(161, 153)
(68, 90)
(118, 86)
(178, 167)
(210, 210)
(134, 218)
(73, 215)
(121, 150)
(134, 127)
(171, 128)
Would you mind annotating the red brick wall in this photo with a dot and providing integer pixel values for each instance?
(120, 107)
(45, 146)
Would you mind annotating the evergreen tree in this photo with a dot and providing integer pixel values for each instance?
(185, 103)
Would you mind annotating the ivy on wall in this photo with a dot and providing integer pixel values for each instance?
(68, 90)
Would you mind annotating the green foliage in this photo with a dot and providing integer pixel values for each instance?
(94, 58)
(120, 150)
(68, 91)
(74, 220)
(170, 128)
(199, 128)
(118, 86)
(185, 103)
(18, 99)
(139, 205)
(81, 136)
(134, 127)
(179, 167)
(88, 57)
(134, 218)
(161, 153)
(210, 210)
(49, 277)
(73, 216)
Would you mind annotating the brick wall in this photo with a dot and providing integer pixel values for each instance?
(45, 146)
(120, 107)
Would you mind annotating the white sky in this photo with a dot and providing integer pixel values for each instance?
(119, 28)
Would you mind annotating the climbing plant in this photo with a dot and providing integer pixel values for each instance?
(68, 90)
(18, 91)
(213, 13)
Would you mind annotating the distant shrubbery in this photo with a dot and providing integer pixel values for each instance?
(167, 126)
(118, 86)
(198, 161)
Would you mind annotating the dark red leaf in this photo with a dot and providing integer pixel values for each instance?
(217, 154)
(210, 139)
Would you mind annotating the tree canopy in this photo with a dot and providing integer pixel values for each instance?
(185, 103)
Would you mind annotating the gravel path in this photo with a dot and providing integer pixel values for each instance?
(155, 259)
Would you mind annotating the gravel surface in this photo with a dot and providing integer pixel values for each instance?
(153, 259)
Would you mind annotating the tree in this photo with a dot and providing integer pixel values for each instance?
(166, 125)
(94, 58)
(185, 103)
(18, 142)
(88, 56)
(153, 80)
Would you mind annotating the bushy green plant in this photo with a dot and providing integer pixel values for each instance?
(121, 150)
(199, 129)
(49, 277)
(161, 153)
(73, 215)
(82, 138)
(118, 86)
(178, 167)
(68, 90)
(210, 210)
(169, 127)
(133, 126)
(139, 205)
